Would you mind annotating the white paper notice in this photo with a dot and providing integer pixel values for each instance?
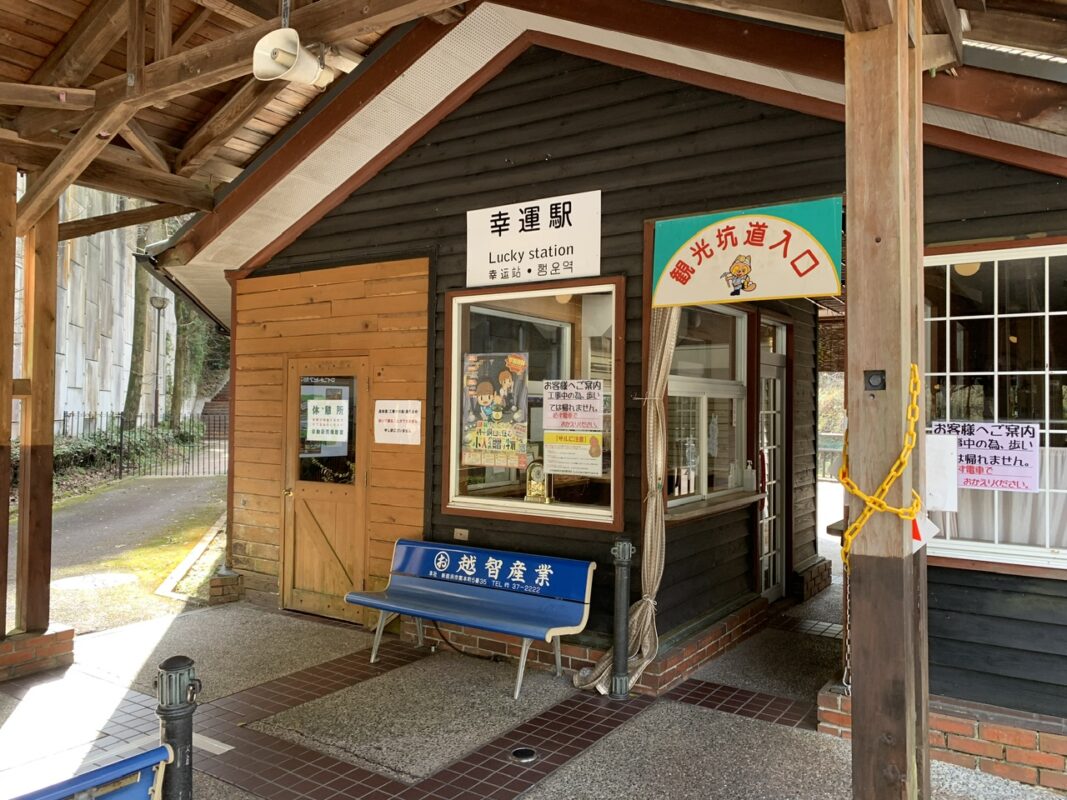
(327, 421)
(995, 456)
(574, 405)
(573, 453)
(397, 421)
(941, 484)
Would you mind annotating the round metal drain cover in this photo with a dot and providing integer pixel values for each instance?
(524, 755)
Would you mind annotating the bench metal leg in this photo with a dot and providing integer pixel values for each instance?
(383, 620)
(522, 665)
(559, 659)
(419, 631)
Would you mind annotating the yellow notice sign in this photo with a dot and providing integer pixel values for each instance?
(574, 453)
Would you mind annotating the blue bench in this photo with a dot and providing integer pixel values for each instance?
(138, 777)
(520, 594)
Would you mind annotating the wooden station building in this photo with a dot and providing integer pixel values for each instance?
(338, 260)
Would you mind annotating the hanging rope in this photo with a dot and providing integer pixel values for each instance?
(876, 502)
(643, 644)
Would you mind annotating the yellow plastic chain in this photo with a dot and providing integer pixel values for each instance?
(877, 501)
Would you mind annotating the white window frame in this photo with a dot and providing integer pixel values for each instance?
(458, 503)
(713, 388)
(997, 551)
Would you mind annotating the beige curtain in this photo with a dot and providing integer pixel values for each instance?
(644, 640)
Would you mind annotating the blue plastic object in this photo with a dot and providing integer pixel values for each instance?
(138, 777)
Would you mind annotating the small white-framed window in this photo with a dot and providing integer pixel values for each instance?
(996, 351)
(706, 405)
(532, 398)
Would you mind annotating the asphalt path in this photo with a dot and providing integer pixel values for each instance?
(111, 549)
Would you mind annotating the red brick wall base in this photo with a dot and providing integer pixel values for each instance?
(807, 583)
(673, 665)
(982, 741)
(224, 589)
(26, 653)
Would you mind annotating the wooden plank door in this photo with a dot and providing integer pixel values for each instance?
(328, 414)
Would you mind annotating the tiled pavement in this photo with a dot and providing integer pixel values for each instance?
(276, 769)
(814, 627)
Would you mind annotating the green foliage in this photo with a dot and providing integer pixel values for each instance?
(831, 402)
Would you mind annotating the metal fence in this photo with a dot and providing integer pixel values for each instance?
(828, 456)
(121, 447)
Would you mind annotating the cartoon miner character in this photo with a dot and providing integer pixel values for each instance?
(507, 389)
(737, 276)
(486, 399)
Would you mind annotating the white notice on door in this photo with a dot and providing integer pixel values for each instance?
(397, 421)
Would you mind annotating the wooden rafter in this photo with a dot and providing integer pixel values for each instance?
(867, 15)
(224, 122)
(242, 13)
(120, 219)
(116, 170)
(216, 62)
(139, 140)
(163, 30)
(942, 17)
(135, 22)
(30, 94)
(188, 28)
(65, 168)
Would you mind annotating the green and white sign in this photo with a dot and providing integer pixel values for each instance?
(765, 253)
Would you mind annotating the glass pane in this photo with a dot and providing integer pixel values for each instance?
(1057, 513)
(1022, 518)
(1022, 344)
(936, 357)
(1057, 341)
(1057, 398)
(936, 389)
(1022, 397)
(971, 289)
(1022, 285)
(534, 398)
(1054, 471)
(934, 278)
(1057, 283)
(707, 345)
(327, 429)
(724, 468)
(771, 338)
(683, 446)
(975, 520)
(971, 397)
(972, 345)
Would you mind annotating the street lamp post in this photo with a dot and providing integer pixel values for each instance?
(158, 303)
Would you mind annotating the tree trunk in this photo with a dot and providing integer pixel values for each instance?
(135, 384)
(184, 318)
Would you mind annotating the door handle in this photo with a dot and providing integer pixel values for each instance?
(288, 492)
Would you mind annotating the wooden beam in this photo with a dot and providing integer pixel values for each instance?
(135, 35)
(942, 16)
(188, 28)
(137, 138)
(883, 145)
(92, 36)
(938, 51)
(225, 121)
(29, 94)
(448, 16)
(239, 13)
(35, 453)
(21, 387)
(827, 16)
(116, 170)
(8, 187)
(164, 30)
(867, 15)
(1043, 34)
(86, 145)
(120, 219)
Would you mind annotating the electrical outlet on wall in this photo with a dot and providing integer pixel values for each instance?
(460, 534)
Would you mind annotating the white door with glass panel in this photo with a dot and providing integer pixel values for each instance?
(771, 467)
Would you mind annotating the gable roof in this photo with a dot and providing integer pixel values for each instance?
(388, 104)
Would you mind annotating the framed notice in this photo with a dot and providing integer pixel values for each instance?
(995, 456)
(537, 240)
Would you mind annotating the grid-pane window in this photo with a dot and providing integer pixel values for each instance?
(705, 406)
(996, 351)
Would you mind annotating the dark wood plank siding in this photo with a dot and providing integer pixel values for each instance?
(554, 124)
(999, 639)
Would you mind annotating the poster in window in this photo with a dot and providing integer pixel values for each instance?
(574, 453)
(495, 410)
(325, 413)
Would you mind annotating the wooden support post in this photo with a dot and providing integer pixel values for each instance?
(37, 425)
(163, 30)
(135, 47)
(883, 115)
(8, 184)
